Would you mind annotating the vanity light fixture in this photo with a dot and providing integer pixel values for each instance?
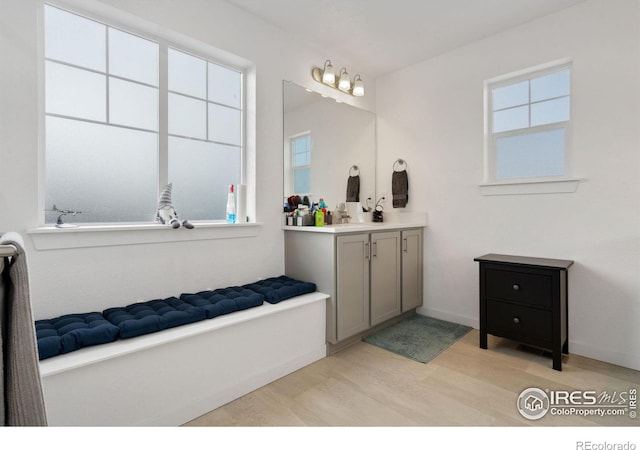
(327, 76)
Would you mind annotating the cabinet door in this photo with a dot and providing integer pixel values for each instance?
(352, 284)
(411, 269)
(385, 276)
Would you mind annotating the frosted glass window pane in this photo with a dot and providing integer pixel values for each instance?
(511, 119)
(512, 95)
(551, 111)
(201, 173)
(224, 124)
(530, 155)
(187, 116)
(302, 181)
(550, 86)
(75, 92)
(224, 85)
(74, 39)
(133, 57)
(108, 173)
(187, 74)
(133, 104)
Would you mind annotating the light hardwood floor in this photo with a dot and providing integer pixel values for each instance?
(364, 385)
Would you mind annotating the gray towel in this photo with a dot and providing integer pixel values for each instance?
(400, 188)
(21, 393)
(353, 189)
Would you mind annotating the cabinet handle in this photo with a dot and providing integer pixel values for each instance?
(374, 248)
(367, 250)
(404, 245)
(516, 287)
(516, 320)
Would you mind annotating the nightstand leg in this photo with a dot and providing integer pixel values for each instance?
(483, 339)
(557, 359)
(565, 347)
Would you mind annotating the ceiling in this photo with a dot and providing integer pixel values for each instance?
(380, 36)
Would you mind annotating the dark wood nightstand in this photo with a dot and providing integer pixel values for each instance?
(525, 299)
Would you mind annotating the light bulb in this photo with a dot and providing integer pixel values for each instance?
(344, 84)
(358, 87)
(328, 75)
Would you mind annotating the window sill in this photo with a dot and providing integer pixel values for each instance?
(531, 187)
(51, 238)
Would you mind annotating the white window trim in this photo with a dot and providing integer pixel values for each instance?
(91, 235)
(536, 185)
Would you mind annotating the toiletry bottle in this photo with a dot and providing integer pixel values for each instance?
(231, 206)
(319, 218)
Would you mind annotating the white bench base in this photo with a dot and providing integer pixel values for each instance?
(173, 376)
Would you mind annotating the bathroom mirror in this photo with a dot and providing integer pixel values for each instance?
(326, 142)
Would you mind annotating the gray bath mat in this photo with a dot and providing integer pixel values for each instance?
(418, 337)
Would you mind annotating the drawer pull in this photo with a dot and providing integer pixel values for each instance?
(516, 287)
(516, 320)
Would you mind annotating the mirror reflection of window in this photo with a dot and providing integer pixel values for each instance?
(301, 163)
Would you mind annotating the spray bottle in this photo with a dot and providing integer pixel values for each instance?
(231, 206)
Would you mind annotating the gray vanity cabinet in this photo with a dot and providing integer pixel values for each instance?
(361, 272)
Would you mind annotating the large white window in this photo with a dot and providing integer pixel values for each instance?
(125, 114)
(528, 126)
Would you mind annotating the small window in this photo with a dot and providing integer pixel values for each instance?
(528, 126)
(301, 163)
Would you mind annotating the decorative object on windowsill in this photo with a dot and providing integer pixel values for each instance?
(400, 184)
(353, 185)
(377, 211)
(60, 223)
(166, 213)
(327, 76)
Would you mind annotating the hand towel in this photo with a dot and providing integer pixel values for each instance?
(353, 189)
(23, 401)
(400, 188)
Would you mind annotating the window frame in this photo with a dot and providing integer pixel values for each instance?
(536, 184)
(166, 39)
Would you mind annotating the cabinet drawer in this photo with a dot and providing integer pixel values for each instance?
(520, 287)
(519, 322)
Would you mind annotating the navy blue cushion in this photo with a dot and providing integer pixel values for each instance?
(281, 288)
(71, 332)
(224, 301)
(151, 316)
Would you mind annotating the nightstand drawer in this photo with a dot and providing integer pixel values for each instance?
(519, 287)
(519, 322)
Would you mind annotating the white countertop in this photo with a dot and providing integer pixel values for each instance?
(396, 222)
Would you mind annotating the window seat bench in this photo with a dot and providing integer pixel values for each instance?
(172, 376)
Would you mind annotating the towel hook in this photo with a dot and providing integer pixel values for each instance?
(354, 171)
(399, 162)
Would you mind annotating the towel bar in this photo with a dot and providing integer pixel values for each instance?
(8, 250)
(400, 162)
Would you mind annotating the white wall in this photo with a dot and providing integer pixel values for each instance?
(435, 122)
(86, 279)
